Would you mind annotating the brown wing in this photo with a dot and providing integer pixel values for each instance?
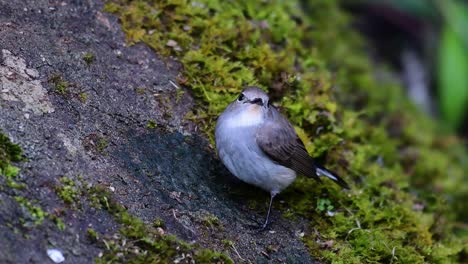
(278, 140)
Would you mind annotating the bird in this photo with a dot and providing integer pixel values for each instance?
(259, 146)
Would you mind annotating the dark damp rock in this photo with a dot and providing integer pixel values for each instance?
(79, 102)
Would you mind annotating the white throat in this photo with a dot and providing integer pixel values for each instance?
(245, 119)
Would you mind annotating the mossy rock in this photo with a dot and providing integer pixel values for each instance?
(408, 179)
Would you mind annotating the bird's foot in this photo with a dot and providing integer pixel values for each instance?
(259, 228)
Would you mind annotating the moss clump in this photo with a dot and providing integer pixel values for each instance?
(324, 205)
(410, 185)
(140, 90)
(102, 145)
(35, 213)
(10, 173)
(92, 235)
(10, 152)
(60, 85)
(68, 191)
(151, 124)
(228, 243)
(83, 97)
(144, 244)
(136, 242)
(158, 223)
(88, 57)
(212, 221)
(58, 222)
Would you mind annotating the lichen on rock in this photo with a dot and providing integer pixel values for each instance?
(20, 83)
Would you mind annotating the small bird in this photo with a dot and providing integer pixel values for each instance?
(259, 146)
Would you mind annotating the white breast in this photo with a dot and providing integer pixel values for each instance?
(245, 119)
(238, 149)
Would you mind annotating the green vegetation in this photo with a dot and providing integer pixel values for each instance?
(144, 243)
(102, 145)
(35, 213)
(83, 97)
(158, 223)
(92, 235)
(151, 124)
(58, 222)
(137, 242)
(9, 152)
(60, 85)
(88, 57)
(212, 221)
(450, 17)
(324, 205)
(408, 183)
(68, 191)
(140, 90)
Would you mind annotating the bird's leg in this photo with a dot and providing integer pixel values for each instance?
(272, 195)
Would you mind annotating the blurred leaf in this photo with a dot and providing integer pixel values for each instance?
(455, 14)
(453, 77)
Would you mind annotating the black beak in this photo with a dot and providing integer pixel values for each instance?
(257, 101)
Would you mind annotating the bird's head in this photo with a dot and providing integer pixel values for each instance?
(252, 99)
(250, 107)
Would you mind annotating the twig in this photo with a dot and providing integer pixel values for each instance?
(350, 231)
(174, 84)
(235, 250)
(393, 255)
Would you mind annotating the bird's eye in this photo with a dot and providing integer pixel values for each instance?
(241, 97)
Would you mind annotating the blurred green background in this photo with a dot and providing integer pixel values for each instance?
(428, 42)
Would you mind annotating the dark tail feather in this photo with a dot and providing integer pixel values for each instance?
(324, 172)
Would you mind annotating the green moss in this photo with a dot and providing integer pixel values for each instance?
(151, 124)
(324, 205)
(211, 221)
(88, 57)
(68, 191)
(101, 145)
(179, 94)
(209, 256)
(35, 212)
(59, 223)
(83, 97)
(144, 243)
(35, 215)
(92, 235)
(408, 181)
(10, 152)
(228, 243)
(137, 242)
(10, 172)
(60, 85)
(158, 223)
(140, 90)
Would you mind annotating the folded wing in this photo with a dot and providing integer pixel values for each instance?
(278, 140)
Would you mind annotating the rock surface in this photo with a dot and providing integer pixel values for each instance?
(81, 103)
